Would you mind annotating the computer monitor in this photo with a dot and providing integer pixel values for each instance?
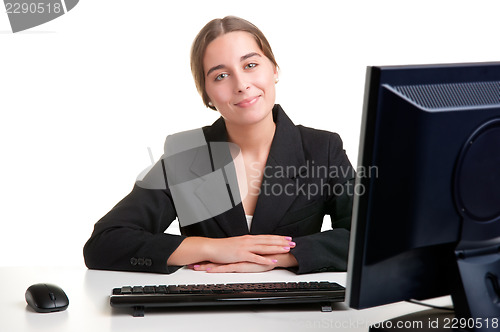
(426, 218)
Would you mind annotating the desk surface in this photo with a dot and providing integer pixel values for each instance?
(89, 310)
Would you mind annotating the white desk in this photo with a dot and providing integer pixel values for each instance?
(89, 308)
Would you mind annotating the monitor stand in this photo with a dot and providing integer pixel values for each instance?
(475, 295)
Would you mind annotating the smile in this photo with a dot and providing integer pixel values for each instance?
(248, 102)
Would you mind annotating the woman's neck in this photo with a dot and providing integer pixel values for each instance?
(253, 139)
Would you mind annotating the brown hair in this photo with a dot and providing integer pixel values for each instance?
(211, 31)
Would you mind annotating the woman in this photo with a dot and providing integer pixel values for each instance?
(294, 176)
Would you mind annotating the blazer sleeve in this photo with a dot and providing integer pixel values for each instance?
(131, 236)
(328, 251)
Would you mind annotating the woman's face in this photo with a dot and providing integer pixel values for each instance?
(239, 78)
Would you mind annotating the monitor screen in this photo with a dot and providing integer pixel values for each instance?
(426, 218)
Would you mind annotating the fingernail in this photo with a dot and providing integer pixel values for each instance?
(208, 269)
(288, 238)
(292, 244)
(286, 248)
(275, 261)
(196, 266)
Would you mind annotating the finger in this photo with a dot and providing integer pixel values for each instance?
(240, 267)
(271, 239)
(225, 268)
(258, 259)
(271, 250)
(204, 266)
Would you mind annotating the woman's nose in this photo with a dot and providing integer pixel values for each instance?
(240, 83)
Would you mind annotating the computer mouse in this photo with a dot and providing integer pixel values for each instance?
(46, 298)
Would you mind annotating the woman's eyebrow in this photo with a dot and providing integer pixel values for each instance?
(215, 68)
(243, 58)
(249, 55)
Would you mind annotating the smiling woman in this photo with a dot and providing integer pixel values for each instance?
(235, 73)
(241, 87)
(213, 30)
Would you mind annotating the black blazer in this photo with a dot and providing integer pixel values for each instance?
(308, 175)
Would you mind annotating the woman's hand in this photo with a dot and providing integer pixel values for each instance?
(232, 267)
(283, 260)
(258, 249)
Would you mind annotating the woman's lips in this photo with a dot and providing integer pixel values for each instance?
(248, 102)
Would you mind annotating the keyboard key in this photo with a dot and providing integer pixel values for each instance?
(126, 290)
(149, 289)
(161, 289)
(137, 290)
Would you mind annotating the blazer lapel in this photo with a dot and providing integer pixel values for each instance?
(233, 221)
(278, 189)
(273, 202)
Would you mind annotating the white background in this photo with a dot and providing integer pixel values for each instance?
(83, 97)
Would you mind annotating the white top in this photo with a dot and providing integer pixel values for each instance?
(249, 221)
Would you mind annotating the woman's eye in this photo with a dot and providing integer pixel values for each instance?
(220, 77)
(251, 65)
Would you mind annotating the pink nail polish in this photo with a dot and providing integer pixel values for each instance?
(286, 248)
(291, 244)
(275, 261)
(196, 266)
(288, 238)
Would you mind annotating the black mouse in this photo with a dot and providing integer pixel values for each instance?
(46, 298)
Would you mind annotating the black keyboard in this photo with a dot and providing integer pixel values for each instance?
(141, 297)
